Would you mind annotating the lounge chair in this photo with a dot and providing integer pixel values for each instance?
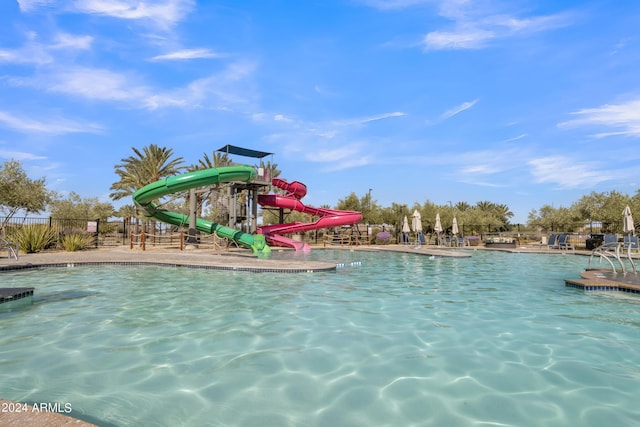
(631, 243)
(461, 242)
(563, 242)
(610, 240)
(552, 243)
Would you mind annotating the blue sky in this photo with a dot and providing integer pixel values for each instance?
(518, 102)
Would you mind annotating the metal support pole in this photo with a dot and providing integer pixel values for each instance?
(192, 240)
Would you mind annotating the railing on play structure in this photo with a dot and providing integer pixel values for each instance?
(346, 239)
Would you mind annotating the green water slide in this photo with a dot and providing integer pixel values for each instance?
(146, 195)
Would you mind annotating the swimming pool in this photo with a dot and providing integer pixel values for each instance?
(387, 340)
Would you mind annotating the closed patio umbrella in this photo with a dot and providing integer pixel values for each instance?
(454, 230)
(630, 241)
(454, 226)
(405, 230)
(416, 224)
(438, 227)
(405, 226)
(628, 226)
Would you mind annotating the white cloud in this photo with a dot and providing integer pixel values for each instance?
(50, 126)
(94, 83)
(187, 54)
(382, 117)
(19, 155)
(164, 13)
(393, 4)
(568, 172)
(463, 39)
(625, 117)
(31, 5)
(457, 110)
(71, 41)
(221, 90)
(369, 119)
(339, 158)
(282, 118)
(474, 24)
(34, 52)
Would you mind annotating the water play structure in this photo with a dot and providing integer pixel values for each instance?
(146, 195)
(291, 200)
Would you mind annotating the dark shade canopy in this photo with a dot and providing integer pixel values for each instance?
(232, 149)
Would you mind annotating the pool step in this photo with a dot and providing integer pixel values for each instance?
(14, 294)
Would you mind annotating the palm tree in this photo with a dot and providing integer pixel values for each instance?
(149, 165)
(502, 211)
(462, 206)
(271, 169)
(217, 160)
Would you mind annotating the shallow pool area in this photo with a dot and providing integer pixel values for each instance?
(388, 339)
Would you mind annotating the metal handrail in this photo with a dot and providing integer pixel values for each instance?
(613, 250)
(12, 247)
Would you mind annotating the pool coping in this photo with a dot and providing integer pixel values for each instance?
(595, 280)
(202, 259)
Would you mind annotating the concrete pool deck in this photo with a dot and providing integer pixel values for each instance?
(236, 259)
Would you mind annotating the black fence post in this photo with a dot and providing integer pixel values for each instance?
(97, 231)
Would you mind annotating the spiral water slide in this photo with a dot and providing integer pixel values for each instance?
(291, 200)
(146, 196)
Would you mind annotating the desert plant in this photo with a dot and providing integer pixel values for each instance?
(34, 237)
(383, 238)
(76, 241)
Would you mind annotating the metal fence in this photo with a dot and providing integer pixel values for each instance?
(106, 233)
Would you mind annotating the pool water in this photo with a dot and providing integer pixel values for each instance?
(389, 339)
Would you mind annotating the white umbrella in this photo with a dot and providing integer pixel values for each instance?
(438, 227)
(628, 226)
(416, 224)
(405, 226)
(454, 231)
(405, 230)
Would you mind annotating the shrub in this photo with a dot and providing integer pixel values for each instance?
(34, 237)
(383, 237)
(76, 241)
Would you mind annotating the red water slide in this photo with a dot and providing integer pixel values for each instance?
(291, 200)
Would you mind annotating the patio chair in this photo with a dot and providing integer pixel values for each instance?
(552, 243)
(610, 240)
(563, 242)
(631, 243)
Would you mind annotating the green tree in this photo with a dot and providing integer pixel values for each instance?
(350, 203)
(216, 160)
(144, 167)
(271, 169)
(602, 207)
(19, 192)
(75, 207)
